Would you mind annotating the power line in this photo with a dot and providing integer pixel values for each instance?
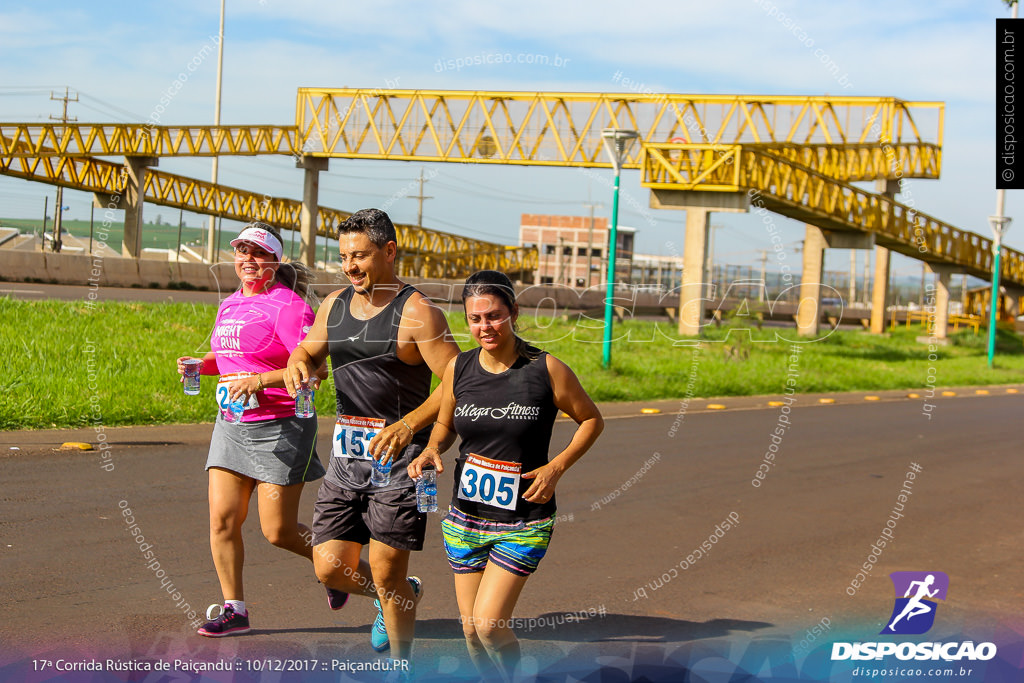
(463, 227)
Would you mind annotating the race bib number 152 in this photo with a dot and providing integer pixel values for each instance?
(352, 435)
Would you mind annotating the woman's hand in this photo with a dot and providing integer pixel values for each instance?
(181, 366)
(429, 456)
(544, 480)
(243, 387)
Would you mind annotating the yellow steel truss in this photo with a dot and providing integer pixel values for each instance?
(807, 145)
(424, 252)
(133, 139)
(792, 189)
(564, 129)
(713, 167)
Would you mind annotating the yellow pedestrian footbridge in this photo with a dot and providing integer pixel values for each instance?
(794, 155)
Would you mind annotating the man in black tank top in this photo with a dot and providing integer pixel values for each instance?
(385, 339)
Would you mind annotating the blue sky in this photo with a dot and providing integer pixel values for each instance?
(120, 58)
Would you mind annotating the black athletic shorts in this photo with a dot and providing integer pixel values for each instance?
(389, 517)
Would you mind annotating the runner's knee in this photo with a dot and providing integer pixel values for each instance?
(493, 633)
(469, 631)
(328, 566)
(225, 525)
(277, 535)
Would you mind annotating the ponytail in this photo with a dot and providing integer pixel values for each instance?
(298, 277)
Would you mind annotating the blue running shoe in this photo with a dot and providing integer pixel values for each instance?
(379, 633)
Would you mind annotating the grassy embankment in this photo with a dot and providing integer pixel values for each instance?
(52, 347)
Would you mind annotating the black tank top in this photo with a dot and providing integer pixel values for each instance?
(505, 417)
(370, 381)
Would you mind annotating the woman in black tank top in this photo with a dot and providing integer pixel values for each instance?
(501, 399)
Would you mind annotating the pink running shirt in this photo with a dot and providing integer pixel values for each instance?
(257, 334)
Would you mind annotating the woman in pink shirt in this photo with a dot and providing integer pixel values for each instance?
(270, 451)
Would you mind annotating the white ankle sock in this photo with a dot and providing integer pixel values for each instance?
(237, 605)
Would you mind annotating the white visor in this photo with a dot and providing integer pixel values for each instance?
(261, 238)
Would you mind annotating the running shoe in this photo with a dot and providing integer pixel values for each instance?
(336, 599)
(228, 623)
(379, 633)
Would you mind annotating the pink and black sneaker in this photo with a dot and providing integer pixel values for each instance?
(336, 599)
(229, 623)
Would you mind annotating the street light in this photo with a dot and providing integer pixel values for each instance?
(1000, 224)
(617, 142)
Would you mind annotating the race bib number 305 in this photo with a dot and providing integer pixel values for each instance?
(352, 436)
(491, 482)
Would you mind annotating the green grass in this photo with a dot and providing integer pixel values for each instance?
(69, 365)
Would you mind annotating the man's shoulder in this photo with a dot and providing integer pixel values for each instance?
(414, 303)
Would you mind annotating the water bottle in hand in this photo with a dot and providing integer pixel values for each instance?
(426, 491)
(304, 401)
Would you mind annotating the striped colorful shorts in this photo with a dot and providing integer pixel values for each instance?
(516, 547)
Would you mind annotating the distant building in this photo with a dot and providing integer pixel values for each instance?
(574, 253)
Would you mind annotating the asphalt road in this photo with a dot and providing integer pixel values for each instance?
(74, 583)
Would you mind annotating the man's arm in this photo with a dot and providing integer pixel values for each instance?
(424, 325)
(434, 341)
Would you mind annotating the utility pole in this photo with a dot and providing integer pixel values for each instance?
(212, 245)
(561, 260)
(709, 265)
(867, 277)
(420, 197)
(764, 275)
(853, 276)
(590, 239)
(924, 271)
(42, 237)
(58, 214)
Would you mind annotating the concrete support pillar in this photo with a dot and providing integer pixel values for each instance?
(132, 201)
(880, 290)
(808, 311)
(940, 319)
(1013, 301)
(310, 207)
(691, 294)
(698, 207)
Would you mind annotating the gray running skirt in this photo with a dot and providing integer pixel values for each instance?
(278, 451)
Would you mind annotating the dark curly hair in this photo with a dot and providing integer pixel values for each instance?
(373, 223)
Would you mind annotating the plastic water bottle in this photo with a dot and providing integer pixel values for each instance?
(426, 491)
(304, 401)
(235, 410)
